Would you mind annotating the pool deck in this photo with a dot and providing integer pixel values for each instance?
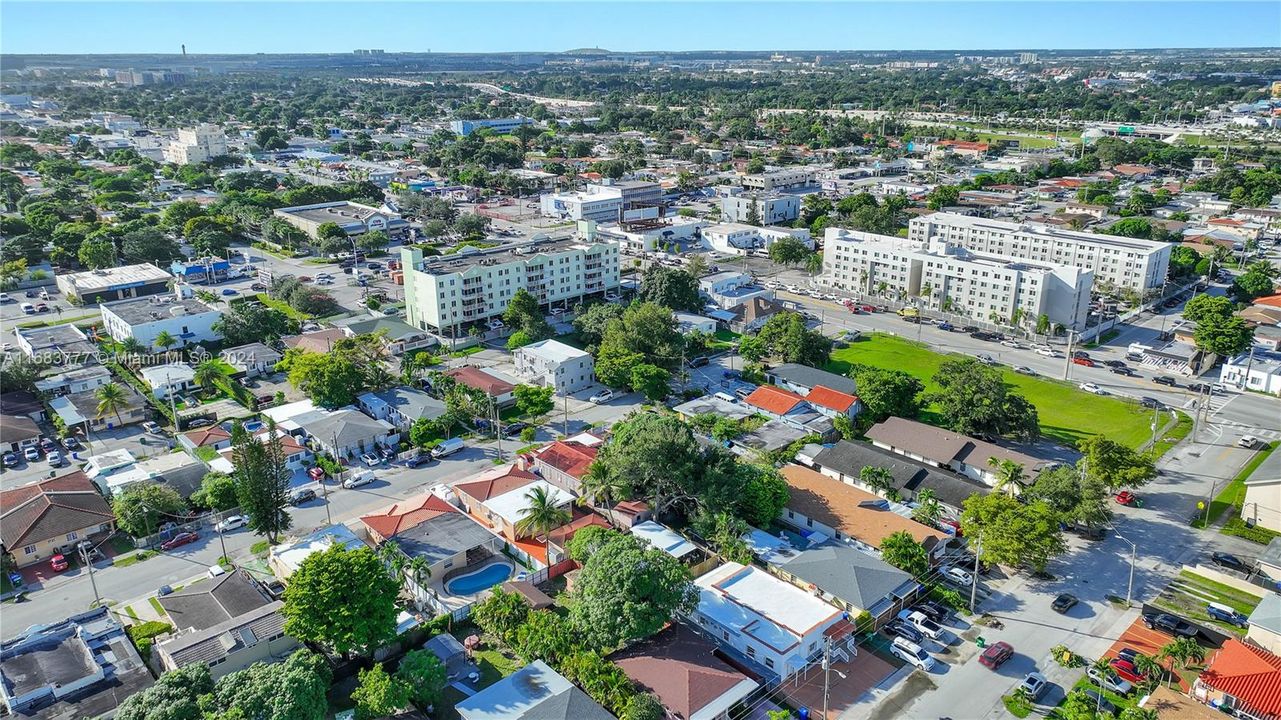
(453, 602)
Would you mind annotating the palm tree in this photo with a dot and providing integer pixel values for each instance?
(111, 399)
(1150, 669)
(599, 486)
(928, 509)
(165, 340)
(877, 478)
(207, 373)
(131, 346)
(543, 514)
(389, 552)
(1182, 652)
(1009, 474)
(418, 571)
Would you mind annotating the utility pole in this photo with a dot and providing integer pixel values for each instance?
(974, 581)
(223, 543)
(827, 672)
(1134, 551)
(84, 553)
(1067, 361)
(566, 406)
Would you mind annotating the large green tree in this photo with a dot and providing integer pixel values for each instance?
(174, 696)
(379, 694)
(142, 508)
(902, 551)
(658, 457)
(673, 288)
(1115, 465)
(251, 322)
(886, 393)
(292, 690)
(262, 479)
(425, 676)
(973, 399)
(342, 599)
(524, 314)
(1009, 532)
(764, 494)
(786, 337)
(331, 380)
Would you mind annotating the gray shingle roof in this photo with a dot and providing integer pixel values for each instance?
(210, 603)
(910, 476)
(850, 574)
(221, 640)
(809, 377)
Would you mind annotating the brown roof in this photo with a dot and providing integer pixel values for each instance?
(1170, 705)
(407, 514)
(944, 446)
(582, 519)
(755, 309)
(321, 341)
(838, 506)
(15, 428)
(481, 380)
(51, 509)
(680, 668)
(496, 482)
(20, 402)
(211, 435)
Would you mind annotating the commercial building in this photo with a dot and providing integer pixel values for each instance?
(954, 279)
(729, 289)
(1120, 262)
(1258, 370)
(740, 239)
(118, 283)
(610, 201)
(354, 219)
(196, 145)
(81, 667)
(770, 208)
(498, 126)
(57, 345)
(551, 363)
(43, 519)
(778, 180)
(454, 291)
(187, 320)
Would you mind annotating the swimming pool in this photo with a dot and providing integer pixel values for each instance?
(482, 579)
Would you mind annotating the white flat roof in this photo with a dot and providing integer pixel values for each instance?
(762, 606)
(554, 351)
(293, 555)
(289, 411)
(158, 375)
(512, 504)
(663, 538)
(143, 274)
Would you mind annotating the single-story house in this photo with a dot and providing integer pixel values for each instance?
(500, 497)
(501, 391)
(17, 431)
(535, 692)
(81, 379)
(284, 559)
(216, 437)
(801, 379)
(169, 379)
(43, 519)
(681, 668)
(399, 336)
(82, 408)
(253, 359)
(347, 433)
(319, 341)
(401, 406)
(846, 459)
(1244, 678)
(946, 449)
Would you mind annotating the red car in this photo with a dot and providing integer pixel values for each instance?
(1083, 361)
(956, 526)
(1126, 670)
(867, 308)
(58, 563)
(996, 654)
(1125, 497)
(316, 473)
(182, 538)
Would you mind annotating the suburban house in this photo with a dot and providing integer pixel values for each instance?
(298, 457)
(680, 668)
(846, 459)
(81, 667)
(663, 538)
(843, 575)
(227, 623)
(830, 508)
(285, 559)
(1265, 623)
(47, 518)
(792, 409)
(320, 341)
(496, 388)
(79, 380)
(729, 290)
(550, 363)
(170, 379)
(770, 623)
(500, 497)
(17, 432)
(1242, 678)
(689, 322)
(400, 406)
(347, 433)
(535, 692)
(564, 462)
(252, 360)
(752, 314)
(82, 409)
(1262, 505)
(186, 320)
(801, 379)
(215, 437)
(429, 527)
(946, 449)
(398, 336)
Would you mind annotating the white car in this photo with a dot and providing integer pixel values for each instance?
(912, 654)
(495, 324)
(1024, 370)
(371, 459)
(958, 576)
(1092, 388)
(1248, 442)
(986, 359)
(362, 477)
(612, 297)
(917, 619)
(1011, 344)
(1033, 685)
(1048, 352)
(1110, 681)
(231, 522)
(55, 458)
(793, 289)
(603, 396)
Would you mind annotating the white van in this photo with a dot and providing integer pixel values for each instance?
(360, 477)
(912, 653)
(447, 447)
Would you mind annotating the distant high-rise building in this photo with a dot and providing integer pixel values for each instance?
(196, 145)
(1028, 58)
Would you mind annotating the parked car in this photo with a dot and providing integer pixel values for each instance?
(514, 429)
(1013, 345)
(46, 445)
(1125, 497)
(1092, 388)
(70, 443)
(1080, 355)
(958, 576)
(946, 327)
(1048, 352)
(151, 427)
(603, 396)
(1170, 624)
(912, 654)
(1165, 380)
(1083, 361)
(986, 359)
(1109, 681)
(11, 460)
(298, 497)
(58, 563)
(1122, 370)
(995, 655)
(932, 610)
(918, 620)
(1225, 614)
(1024, 370)
(164, 590)
(231, 522)
(1232, 562)
(1151, 403)
(1033, 685)
(182, 538)
(199, 423)
(55, 458)
(371, 459)
(1249, 442)
(1128, 653)
(31, 453)
(701, 361)
(447, 447)
(421, 458)
(902, 629)
(1063, 603)
(360, 477)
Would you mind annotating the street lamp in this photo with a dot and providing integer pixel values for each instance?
(1134, 551)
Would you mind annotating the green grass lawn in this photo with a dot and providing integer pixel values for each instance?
(56, 320)
(1067, 414)
(1189, 593)
(283, 307)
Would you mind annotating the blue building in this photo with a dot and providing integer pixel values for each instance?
(500, 126)
(201, 270)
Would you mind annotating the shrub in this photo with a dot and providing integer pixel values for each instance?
(1018, 704)
(143, 635)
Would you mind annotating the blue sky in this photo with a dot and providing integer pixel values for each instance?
(54, 26)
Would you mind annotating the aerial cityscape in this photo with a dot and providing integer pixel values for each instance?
(640, 360)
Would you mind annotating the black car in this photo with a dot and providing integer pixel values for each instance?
(980, 335)
(419, 459)
(1151, 403)
(905, 631)
(970, 329)
(946, 326)
(299, 497)
(1064, 602)
(514, 429)
(1230, 561)
(1171, 624)
(1165, 380)
(1198, 388)
(932, 610)
(1122, 370)
(701, 361)
(1114, 363)
(1080, 354)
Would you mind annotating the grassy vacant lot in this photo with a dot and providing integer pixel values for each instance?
(1189, 593)
(1067, 414)
(282, 306)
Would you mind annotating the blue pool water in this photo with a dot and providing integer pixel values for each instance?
(482, 579)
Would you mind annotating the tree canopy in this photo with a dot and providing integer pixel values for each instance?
(973, 399)
(342, 599)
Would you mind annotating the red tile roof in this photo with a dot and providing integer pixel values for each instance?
(832, 399)
(773, 400)
(681, 669)
(46, 510)
(1132, 169)
(481, 380)
(1249, 674)
(582, 519)
(408, 514)
(571, 458)
(1269, 301)
(496, 482)
(211, 435)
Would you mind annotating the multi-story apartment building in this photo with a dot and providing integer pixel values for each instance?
(454, 291)
(771, 208)
(954, 279)
(196, 145)
(1120, 262)
(604, 202)
(187, 320)
(499, 126)
(779, 179)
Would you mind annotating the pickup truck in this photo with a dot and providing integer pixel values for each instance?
(1170, 624)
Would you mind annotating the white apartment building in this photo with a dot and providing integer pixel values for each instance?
(452, 291)
(771, 208)
(779, 179)
(554, 364)
(187, 320)
(951, 278)
(196, 145)
(1120, 262)
(739, 239)
(604, 202)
